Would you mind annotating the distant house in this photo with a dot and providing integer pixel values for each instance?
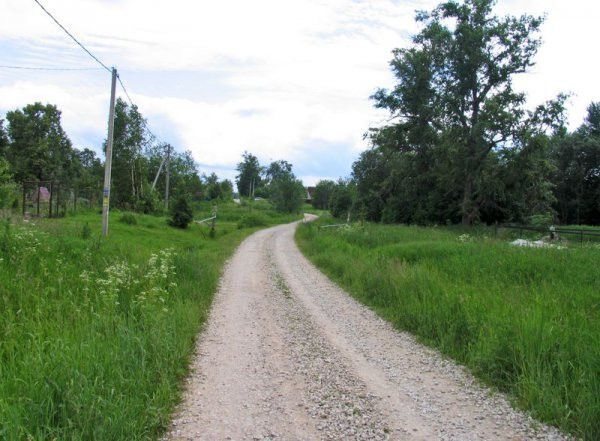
(310, 191)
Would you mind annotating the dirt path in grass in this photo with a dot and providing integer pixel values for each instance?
(286, 354)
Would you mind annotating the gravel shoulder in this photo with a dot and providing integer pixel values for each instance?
(286, 354)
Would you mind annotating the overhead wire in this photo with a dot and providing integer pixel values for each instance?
(133, 104)
(3, 66)
(91, 55)
(72, 37)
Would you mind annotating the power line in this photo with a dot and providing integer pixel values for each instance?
(91, 55)
(72, 37)
(48, 68)
(132, 104)
(124, 90)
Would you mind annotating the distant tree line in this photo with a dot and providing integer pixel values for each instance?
(34, 146)
(461, 147)
(275, 182)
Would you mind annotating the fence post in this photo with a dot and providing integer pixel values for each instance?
(213, 222)
(51, 194)
(38, 199)
(58, 200)
(24, 198)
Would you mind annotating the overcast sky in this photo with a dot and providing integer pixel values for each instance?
(284, 79)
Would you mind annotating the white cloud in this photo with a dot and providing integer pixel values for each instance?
(274, 77)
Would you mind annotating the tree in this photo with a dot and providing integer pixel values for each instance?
(90, 170)
(591, 126)
(342, 199)
(129, 166)
(181, 213)
(576, 178)
(455, 87)
(226, 190)
(3, 140)
(7, 187)
(213, 187)
(322, 195)
(249, 174)
(276, 170)
(287, 193)
(38, 146)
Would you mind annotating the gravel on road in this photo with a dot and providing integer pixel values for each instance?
(287, 354)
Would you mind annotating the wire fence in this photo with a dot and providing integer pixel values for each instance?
(553, 232)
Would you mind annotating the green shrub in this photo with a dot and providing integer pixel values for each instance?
(543, 220)
(181, 214)
(128, 218)
(341, 200)
(252, 220)
(149, 202)
(86, 231)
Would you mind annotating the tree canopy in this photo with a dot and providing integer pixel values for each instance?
(461, 145)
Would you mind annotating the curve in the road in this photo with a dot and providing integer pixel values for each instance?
(286, 354)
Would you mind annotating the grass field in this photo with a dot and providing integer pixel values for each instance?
(95, 335)
(525, 320)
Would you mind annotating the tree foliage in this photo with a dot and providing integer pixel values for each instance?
(461, 146)
(322, 194)
(249, 174)
(38, 146)
(285, 191)
(181, 213)
(342, 199)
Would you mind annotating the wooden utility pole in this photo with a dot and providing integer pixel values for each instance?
(108, 161)
(167, 177)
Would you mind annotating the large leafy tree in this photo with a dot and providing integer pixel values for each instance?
(576, 177)
(322, 194)
(129, 166)
(455, 88)
(276, 170)
(287, 193)
(38, 146)
(249, 174)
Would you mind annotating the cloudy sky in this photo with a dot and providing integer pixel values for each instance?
(284, 79)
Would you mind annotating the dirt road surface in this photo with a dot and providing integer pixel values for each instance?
(286, 354)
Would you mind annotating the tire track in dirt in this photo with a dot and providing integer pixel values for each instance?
(286, 354)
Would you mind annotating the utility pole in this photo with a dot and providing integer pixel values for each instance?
(108, 161)
(167, 177)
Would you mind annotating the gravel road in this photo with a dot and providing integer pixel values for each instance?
(287, 354)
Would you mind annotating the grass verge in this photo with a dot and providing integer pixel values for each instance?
(96, 335)
(524, 320)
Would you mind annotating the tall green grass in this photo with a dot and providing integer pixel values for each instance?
(96, 335)
(525, 320)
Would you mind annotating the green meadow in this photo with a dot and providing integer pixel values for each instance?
(524, 320)
(96, 335)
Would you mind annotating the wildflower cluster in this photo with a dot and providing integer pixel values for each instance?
(465, 238)
(20, 243)
(117, 279)
(158, 280)
(147, 288)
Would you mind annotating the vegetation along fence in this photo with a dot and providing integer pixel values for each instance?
(51, 199)
(580, 233)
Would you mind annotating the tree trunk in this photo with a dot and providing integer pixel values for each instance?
(468, 209)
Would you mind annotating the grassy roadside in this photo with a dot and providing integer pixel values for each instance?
(525, 320)
(95, 335)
